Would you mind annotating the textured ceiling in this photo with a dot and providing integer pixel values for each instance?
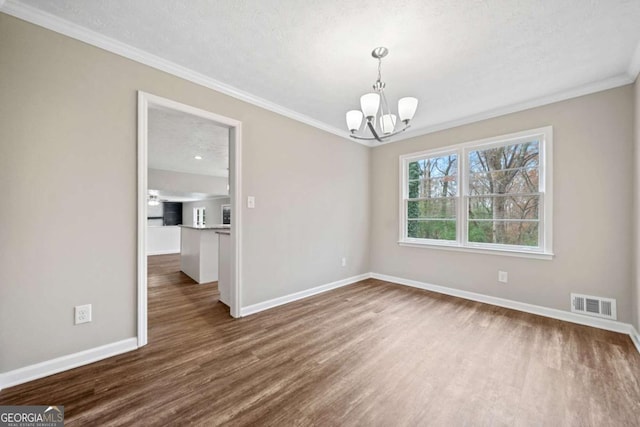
(175, 138)
(460, 58)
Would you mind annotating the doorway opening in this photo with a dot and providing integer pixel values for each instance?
(150, 104)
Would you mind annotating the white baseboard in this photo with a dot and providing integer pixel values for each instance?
(609, 325)
(64, 363)
(635, 338)
(265, 305)
(169, 252)
(567, 316)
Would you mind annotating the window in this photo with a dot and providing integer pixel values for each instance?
(433, 197)
(489, 195)
(198, 217)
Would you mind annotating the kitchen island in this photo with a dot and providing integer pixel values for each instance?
(224, 265)
(199, 252)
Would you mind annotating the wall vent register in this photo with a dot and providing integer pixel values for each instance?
(594, 306)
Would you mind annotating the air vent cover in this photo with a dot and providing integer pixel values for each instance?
(594, 306)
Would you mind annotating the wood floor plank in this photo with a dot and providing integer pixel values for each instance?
(372, 353)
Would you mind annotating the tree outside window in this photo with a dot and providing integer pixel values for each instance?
(490, 194)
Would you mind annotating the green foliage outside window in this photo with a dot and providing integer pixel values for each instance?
(503, 196)
(431, 208)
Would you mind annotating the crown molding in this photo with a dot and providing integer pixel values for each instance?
(634, 65)
(62, 26)
(59, 25)
(578, 91)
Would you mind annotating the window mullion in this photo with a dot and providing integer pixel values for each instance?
(541, 222)
(404, 194)
(461, 221)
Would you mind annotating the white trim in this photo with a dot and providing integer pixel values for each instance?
(606, 324)
(634, 64)
(65, 363)
(265, 305)
(609, 325)
(235, 191)
(473, 250)
(587, 89)
(67, 28)
(546, 162)
(169, 252)
(462, 227)
(635, 338)
(492, 141)
(85, 357)
(143, 122)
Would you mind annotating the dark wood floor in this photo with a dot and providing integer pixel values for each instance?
(370, 354)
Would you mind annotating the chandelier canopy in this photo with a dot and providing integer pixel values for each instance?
(375, 109)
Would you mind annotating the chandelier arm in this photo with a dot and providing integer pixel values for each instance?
(384, 103)
(383, 98)
(397, 132)
(380, 138)
(373, 130)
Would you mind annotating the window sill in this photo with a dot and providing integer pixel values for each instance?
(487, 251)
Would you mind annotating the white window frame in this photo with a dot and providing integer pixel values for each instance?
(545, 227)
(199, 217)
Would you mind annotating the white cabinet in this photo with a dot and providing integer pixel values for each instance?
(224, 266)
(199, 254)
(163, 240)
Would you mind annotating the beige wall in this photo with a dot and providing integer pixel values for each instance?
(158, 179)
(68, 139)
(213, 210)
(593, 144)
(635, 297)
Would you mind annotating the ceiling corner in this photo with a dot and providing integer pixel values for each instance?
(634, 65)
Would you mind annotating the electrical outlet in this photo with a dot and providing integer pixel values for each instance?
(251, 202)
(503, 277)
(83, 313)
(344, 261)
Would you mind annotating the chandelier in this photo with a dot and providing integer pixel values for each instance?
(375, 108)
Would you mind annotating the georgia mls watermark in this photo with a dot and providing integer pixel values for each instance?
(31, 416)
